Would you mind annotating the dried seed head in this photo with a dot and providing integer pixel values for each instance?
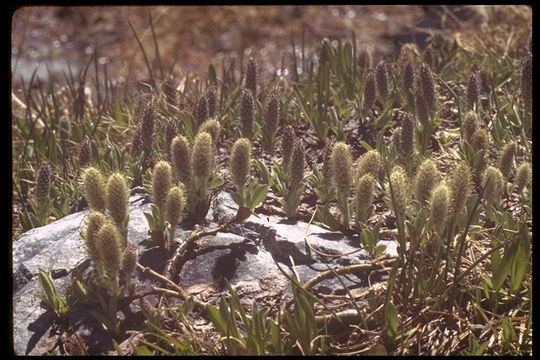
(129, 258)
(181, 159)
(400, 187)
(161, 183)
(212, 127)
(202, 157)
(480, 140)
(110, 249)
(407, 55)
(296, 172)
(381, 79)
(85, 152)
(407, 134)
(271, 116)
(170, 133)
(94, 189)
(460, 186)
(43, 183)
(94, 221)
(438, 206)
(287, 142)
(117, 196)
(201, 111)
(240, 163)
(470, 125)
(526, 82)
(428, 175)
(523, 176)
(250, 80)
(370, 94)
(211, 100)
(493, 183)
(247, 113)
(147, 127)
(369, 163)
(174, 205)
(365, 190)
(506, 159)
(472, 89)
(342, 167)
(427, 86)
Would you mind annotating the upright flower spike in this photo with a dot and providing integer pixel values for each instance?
(408, 79)
(407, 135)
(480, 140)
(327, 165)
(460, 186)
(438, 207)
(370, 94)
(85, 152)
(484, 82)
(136, 143)
(270, 121)
(506, 159)
(429, 56)
(43, 183)
(181, 159)
(110, 250)
(427, 86)
(94, 189)
(428, 175)
(174, 205)
(161, 183)
(470, 125)
(93, 223)
(117, 196)
(369, 163)
(129, 258)
(493, 183)
(400, 187)
(381, 79)
(250, 79)
(523, 176)
(472, 89)
(365, 190)
(211, 101)
(240, 163)
(396, 138)
(202, 158)
(212, 127)
(526, 82)
(296, 173)
(247, 113)
(342, 167)
(287, 143)
(201, 111)
(147, 127)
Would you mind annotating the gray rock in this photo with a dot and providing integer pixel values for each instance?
(248, 256)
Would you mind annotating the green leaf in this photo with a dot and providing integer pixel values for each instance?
(391, 320)
(216, 318)
(216, 182)
(258, 196)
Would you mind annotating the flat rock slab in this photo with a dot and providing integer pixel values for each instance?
(249, 255)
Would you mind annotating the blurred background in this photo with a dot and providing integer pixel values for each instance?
(190, 38)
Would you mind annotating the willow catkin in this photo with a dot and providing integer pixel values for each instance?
(370, 94)
(460, 186)
(470, 125)
(250, 79)
(129, 258)
(240, 163)
(438, 206)
(161, 183)
(506, 159)
(365, 191)
(93, 223)
(117, 196)
(369, 163)
(201, 111)
(147, 127)
(181, 159)
(174, 205)
(270, 119)
(427, 86)
(211, 100)
(492, 183)
(247, 113)
(400, 190)
(202, 157)
(342, 167)
(427, 176)
(407, 135)
(43, 183)
(381, 79)
(472, 89)
(109, 247)
(85, 152)
(212, 127)
(523, 176)
(94, 189)
(296, 171)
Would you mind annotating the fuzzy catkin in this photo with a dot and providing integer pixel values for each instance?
(147, 127)
(202, 157)
(342, 167)
(480, 140)
(270, 117)
(247, 113)
(472, 89)
(365, 190)
(470, 125)
(369, 163)
(174, 205)
(211, 101)
(400, 188)
(427, 176)
(250, 79)
(240, 163)
(427, 86)
(492, 183)
(110, 249)
(117, 195)
(201, 111)
(523, 176)
(43, 183)
(407, 134)
(170, 133)
(460, 186)
(212, 127)
(506, 159)
(94, 189)
(181, 159)
(287, 143)
(296, 171)
(85, 152)
(438, 206)
(93, 223)
(129, 258)
(161, 183)
(370, 94)
(381, 79)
